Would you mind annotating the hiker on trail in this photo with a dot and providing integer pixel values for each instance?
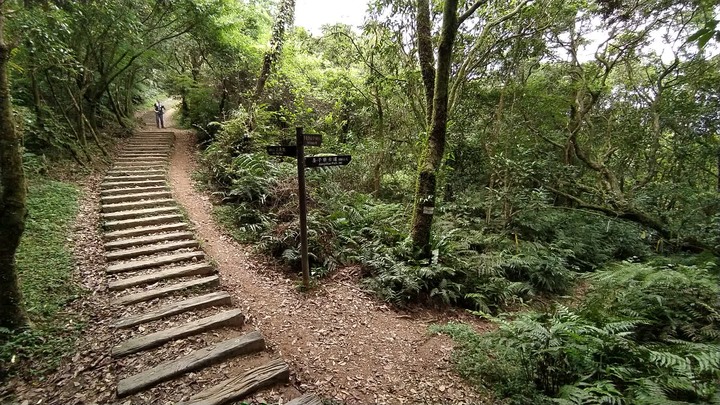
(159, 111)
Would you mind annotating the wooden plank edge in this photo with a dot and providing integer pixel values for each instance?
(205, 282)
(307, 399)
(250, 343)
(212, 299)
(275, 371)
(137, 344)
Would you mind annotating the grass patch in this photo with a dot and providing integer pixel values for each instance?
(45, 266)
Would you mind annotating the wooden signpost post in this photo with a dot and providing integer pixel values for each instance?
(298, 150)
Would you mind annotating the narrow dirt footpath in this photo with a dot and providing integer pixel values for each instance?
(340, 343)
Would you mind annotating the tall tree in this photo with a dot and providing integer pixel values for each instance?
(284, 20)
(13, 210)
(435, 149)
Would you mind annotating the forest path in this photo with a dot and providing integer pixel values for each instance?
(171, 323)
(339, 342)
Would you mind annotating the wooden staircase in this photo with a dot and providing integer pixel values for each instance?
(158, 272)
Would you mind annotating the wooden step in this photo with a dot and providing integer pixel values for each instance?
(146, 221)
(142, 177)
(218, 298)
(163, 202)
(205, 282)
(148, 145)
(240, 386)
(133, 183)
(129, 214)
(307, 399)
(133, 154)
(142, 158)
(228, 318)
(133, 172)
(139, 163)
(144, 231)
(149, 166)
(156, 165)
(147, 149)
(136, 156)
(132, 190)
(251, 343)
(150, 250)
(200, 269)
(163, 159)
(113, 199)
(158, 261)
(147, 240)
(149, 140)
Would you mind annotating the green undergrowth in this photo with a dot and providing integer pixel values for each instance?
(477, 262)
(45, 266)
(643, 334)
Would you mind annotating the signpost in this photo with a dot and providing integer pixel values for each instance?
(298, 150)
(312, 140)
(280, 150)
(324, 161)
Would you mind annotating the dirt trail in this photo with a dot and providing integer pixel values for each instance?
(339, 342)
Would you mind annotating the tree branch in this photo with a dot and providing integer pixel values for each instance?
(464, 16)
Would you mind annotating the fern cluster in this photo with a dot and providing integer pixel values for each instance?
(642, 335)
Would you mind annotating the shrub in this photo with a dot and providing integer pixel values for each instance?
(634, 340)
(564, 357)
(674, 301)
(593, 239)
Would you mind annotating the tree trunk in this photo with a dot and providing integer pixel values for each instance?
(36, 97)
(432, 157)
(13, 210)
(377, 169)
(425, 56)
(285, 18)
(116, 110)
(222, 113)
(718, 170)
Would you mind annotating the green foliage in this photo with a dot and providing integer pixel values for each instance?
(674, 301)
(593, 240)
(634, 339)
(44, 261)
(45, 268)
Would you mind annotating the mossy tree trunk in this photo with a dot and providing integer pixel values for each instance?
(13, 210)
(426, 57)
(284, 21)
(431, 159)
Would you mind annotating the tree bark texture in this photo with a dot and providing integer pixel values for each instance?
(425, 56)
(13, 210)
(431, 159)
(284, 20)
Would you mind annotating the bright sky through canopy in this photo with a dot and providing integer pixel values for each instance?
(313, 14)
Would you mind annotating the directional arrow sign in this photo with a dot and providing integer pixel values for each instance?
(280, 150)
(312, 140)
(321, 161)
